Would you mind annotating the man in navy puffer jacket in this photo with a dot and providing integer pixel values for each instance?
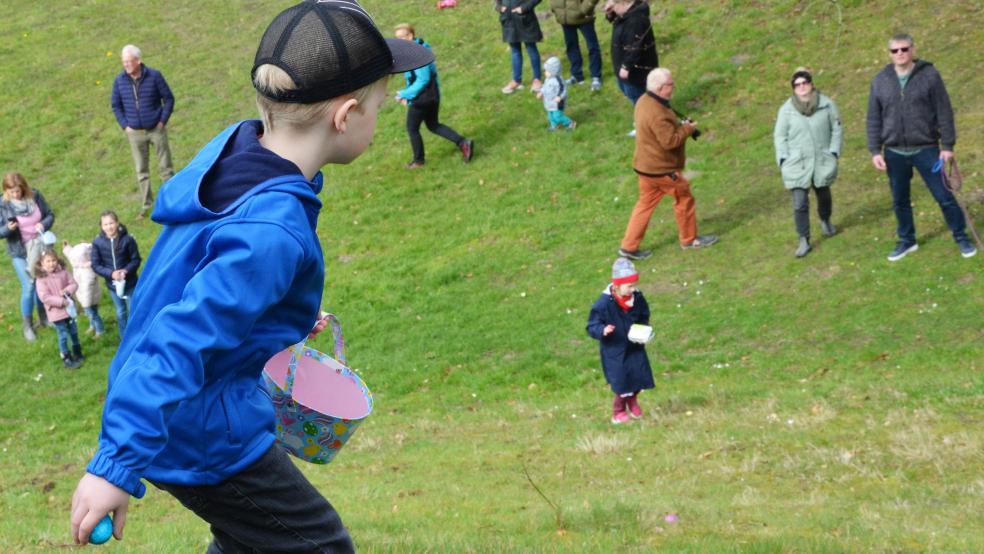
(142, 103)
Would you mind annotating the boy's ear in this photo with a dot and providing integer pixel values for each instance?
(339, 119)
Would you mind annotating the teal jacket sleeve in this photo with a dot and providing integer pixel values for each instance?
(423, 77)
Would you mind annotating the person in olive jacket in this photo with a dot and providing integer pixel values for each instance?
(115, 257)
(624, 362)
(633, 45)
(574, 16)
(808, 142)
(519, 25)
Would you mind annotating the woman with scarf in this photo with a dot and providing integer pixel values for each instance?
(24, 217)
(808, 142)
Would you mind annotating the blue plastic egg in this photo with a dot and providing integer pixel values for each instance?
(102, 532)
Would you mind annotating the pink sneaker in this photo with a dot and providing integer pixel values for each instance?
(633, 403)
(620, 417)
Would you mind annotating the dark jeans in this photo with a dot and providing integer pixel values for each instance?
(268, 507)
(428, 114)
(66, 329)
(632, 92)
(574, 49)
(517, 60)
(801, 208)
(900, 179)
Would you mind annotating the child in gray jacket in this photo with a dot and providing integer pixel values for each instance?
(554, 94)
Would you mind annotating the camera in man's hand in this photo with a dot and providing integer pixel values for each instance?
(696, 134)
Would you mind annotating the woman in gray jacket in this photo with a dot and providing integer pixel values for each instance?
(808, 141)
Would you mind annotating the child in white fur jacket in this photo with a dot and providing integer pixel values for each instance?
(89, 291)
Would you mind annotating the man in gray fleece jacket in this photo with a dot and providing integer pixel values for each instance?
(909, 116)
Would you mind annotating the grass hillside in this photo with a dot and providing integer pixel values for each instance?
(829, 404)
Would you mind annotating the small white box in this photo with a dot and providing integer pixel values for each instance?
(641, 334)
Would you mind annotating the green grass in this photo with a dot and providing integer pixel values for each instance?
(830, 404)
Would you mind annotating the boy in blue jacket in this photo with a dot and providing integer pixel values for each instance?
(237, 275)
(624, 362)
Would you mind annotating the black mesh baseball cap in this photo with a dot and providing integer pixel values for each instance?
(329, 48)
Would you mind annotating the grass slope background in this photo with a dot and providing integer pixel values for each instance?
(828, 404)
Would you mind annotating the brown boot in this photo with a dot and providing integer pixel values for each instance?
(29, 329)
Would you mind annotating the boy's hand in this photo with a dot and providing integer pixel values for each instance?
(609, 329)
(539, 95)
(319, 325)
(94, 498)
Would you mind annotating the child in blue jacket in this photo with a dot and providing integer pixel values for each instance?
(624, 362)
(237, 275)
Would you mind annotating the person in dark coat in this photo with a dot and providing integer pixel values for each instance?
(633, 46)
(142, 103)
(115, 257)
(624, 362)
(519, 25)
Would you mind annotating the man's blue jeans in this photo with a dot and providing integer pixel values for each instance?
(574, 49)
(27, 286)
(900, 178)
(632, 92)
(517, 60)
(122, 307)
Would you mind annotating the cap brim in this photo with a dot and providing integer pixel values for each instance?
(408, 55)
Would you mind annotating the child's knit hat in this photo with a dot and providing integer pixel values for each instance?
(624, 272)
(552, 65)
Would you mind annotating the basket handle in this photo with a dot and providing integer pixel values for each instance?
(339, 348)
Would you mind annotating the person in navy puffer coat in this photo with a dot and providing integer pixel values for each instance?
(142, 103)
(116, 258)
(624, 362)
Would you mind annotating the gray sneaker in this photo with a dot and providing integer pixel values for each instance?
(700, 242)
(828, 228)
(595, 84)
(635, 254)
(901, 249)
(967, 249)
(573, 81)
(804, 247)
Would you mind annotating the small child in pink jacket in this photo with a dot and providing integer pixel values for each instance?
(55, 287)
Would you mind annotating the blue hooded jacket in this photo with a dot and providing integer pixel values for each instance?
(221, 292)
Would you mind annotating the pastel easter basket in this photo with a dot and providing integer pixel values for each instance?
(318, 402)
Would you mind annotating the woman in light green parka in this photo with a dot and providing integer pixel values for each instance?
(808, 142)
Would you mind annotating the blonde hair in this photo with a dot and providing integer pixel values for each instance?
(16, 180)
(275, 114)
(404, 28)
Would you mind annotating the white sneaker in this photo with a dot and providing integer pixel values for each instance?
(631, 134)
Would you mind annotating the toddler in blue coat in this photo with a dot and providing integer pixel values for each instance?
(624, 362)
